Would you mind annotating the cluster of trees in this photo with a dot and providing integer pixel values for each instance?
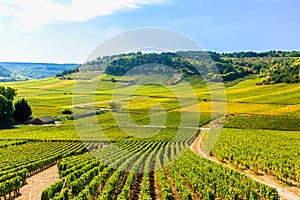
(124, 64)
(287, 71)
(251, 54)
(186, 63)
(279, 67)
(67, 72)
(276, 66)
(215, 67)
(11, 113)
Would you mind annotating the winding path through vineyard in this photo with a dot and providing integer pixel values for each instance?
(37, 183)
(285, 192)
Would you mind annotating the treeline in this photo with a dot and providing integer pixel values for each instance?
(215, 67)
(210, 65)
(252, 54)
(287, 71)
(67, 72)
(275, 66)
(171, 61)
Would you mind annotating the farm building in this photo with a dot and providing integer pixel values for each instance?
(42, 120)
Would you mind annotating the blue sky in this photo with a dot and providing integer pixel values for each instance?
(69, 30)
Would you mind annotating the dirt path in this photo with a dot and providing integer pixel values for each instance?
(137, 187)
(37, 183)
(285, 192)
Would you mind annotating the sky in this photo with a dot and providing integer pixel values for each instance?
(67, 31)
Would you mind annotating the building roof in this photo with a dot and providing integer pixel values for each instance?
(42, 120)
(46, 119)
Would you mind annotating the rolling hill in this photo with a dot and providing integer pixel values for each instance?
(255, 157)
(15, 71)
(274, 66)
(4, 72)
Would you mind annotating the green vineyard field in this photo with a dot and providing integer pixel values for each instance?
(262, 151)
(264, 122)
(83, 177)
(27, 158)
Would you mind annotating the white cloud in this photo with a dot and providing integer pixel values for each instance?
(31, 15)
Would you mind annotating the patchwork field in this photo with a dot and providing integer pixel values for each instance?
(149, 138)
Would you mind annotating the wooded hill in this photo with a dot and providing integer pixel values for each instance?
(275, 66)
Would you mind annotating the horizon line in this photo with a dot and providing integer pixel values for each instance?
(78, 63)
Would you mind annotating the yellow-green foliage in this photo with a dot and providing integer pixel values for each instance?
(51, 96)
(270, 152)
(41, 132)
(264, 122)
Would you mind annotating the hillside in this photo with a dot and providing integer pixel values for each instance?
(274, 66)
(4, 72)
(26, 71)
(162, 142)
(258, 116)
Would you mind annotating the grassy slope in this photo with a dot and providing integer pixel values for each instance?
(264, 122)
(249, 98)
(50, 96)
(47, 96)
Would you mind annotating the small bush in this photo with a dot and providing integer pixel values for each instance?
(115, 106)
(67, 112)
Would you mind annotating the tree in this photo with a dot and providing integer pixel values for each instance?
(7, 95)
(22, 111)
(115, 106)
(67, 111)
(6, 111)
(8, 92)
